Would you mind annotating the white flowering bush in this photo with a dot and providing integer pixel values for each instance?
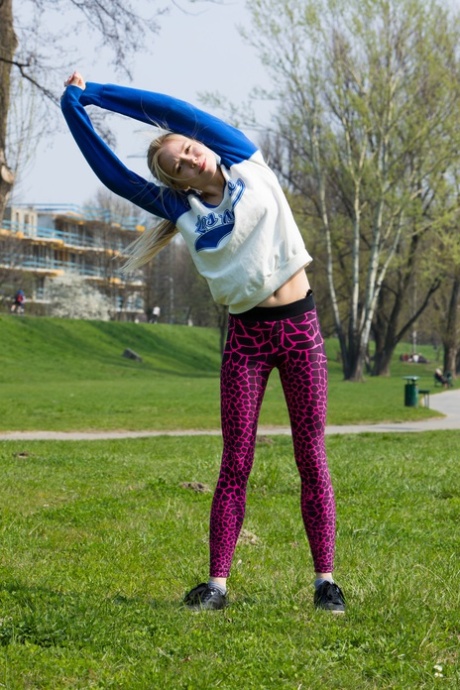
(70, 296)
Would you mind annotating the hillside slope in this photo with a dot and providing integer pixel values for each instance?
(44, 349)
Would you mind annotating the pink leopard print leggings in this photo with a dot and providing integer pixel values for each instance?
(294, 345)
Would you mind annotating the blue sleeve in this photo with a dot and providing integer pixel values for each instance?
(176, 115)
(109, 168)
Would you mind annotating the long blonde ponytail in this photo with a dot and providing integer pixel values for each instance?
(153, 240)
(145, 247)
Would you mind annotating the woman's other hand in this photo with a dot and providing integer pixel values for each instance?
(75, 79)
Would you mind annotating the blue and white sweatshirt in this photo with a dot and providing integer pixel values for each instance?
(248, 245)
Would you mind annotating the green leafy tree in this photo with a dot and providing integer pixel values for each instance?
(448, 301)
(365, 132)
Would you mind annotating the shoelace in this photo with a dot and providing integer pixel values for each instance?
(202, 593)
(334, 593)
(209, 592)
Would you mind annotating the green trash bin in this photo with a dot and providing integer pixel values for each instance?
(411, 391)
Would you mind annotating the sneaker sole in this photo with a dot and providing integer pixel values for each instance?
(197, 608)
(338, 611)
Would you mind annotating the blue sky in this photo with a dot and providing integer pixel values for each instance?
(196, 51)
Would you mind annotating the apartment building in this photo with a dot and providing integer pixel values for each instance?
(46, 241)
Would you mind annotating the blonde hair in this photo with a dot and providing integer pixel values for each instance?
(153, 154)
(153, 240)
(148, 245)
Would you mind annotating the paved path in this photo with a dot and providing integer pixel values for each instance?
(447, 402)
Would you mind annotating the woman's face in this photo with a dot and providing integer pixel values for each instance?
(188, 162)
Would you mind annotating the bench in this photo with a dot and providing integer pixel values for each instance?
(447, 381)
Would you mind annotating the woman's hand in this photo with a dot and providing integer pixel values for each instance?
(75, 79)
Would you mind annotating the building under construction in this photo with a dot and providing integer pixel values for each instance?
(41, 242)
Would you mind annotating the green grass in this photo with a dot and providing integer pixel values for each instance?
(100, 541)
(70, 375)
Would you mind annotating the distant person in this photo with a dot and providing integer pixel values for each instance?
(417, 358)
(213, 186)
(156, 311)
(440, 378)
(18, 306)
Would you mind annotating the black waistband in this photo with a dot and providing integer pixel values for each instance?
(285, 311)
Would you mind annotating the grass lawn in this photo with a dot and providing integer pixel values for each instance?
(70, 375)
(100, 540)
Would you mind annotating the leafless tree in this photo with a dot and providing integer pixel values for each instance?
(116, 223)
(12, 276)
(41, 57)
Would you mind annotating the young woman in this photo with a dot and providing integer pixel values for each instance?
(213, 186)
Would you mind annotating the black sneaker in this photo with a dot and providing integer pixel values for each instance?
(205, 597)
(329, 596)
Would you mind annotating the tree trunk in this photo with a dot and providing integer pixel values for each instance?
(357, 355)
(357, 370)
(8, 45)
(386, 326)
(384, 330)
(451, 339)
